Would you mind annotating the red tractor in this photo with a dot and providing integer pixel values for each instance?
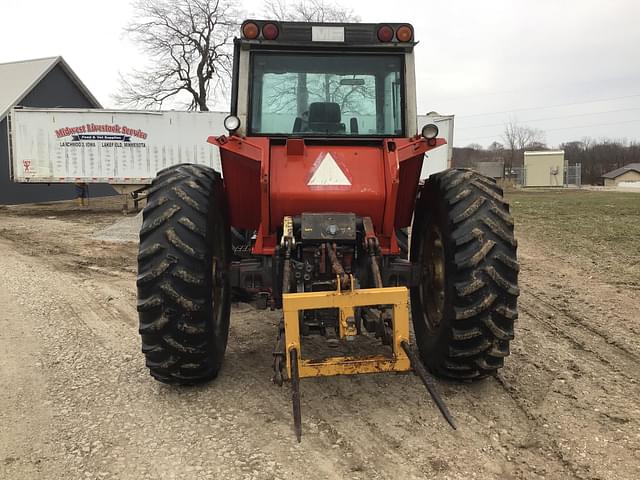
(319, 210)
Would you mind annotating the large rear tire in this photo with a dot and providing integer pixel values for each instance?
(183, 286)
(464, 310)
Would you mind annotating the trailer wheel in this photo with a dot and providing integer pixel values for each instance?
(183, 286)
(464, 309)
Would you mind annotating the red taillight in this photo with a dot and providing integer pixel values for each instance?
(250, 30)
(385, 33)
(270, 31)
(404, 33)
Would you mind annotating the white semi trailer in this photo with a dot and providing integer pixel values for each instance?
(126, 148)
(122, 148)
(440, 158)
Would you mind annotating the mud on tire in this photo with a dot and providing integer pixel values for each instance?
(183, 289)
(464, 311)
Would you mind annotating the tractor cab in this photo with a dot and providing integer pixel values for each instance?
(339, 81)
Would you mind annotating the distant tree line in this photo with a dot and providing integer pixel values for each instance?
(599, 157)
(515, 140)
(595, 156)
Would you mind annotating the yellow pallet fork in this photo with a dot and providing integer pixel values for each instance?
(402, 359)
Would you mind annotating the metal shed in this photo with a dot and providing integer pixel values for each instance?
(44, 82)
(544, 169)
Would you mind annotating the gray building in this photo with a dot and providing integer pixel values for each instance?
(628, 173)
(491, 169)
(45, 82)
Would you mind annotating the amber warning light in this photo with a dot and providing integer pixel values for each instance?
(404, 33)
(250, 30)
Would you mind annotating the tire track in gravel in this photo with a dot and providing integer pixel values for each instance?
(599, 361)
(325, 440)
(108, 326)
(578, 323)
(256, 394)
(79, 367)
(552, 446)
(329, 433)
(561, 374)
(251, 366)
(588, 297)
(110, 332)
(539, 432)
(382, 420)
(410, 428)
(616, 359)
(346, 411)
(354, 444)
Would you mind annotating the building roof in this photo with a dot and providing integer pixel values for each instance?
(17, 79)
(631, 167)
(544, 152)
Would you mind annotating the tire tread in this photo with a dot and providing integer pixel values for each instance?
(484, 274)
(185, 206)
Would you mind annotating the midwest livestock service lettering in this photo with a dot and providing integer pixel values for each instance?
(92, 128)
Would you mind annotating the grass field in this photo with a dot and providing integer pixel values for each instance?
(601, 229)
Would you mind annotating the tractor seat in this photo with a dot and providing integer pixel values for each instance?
(325, 117)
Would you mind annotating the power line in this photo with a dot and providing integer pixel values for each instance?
(549, 106)
(554, 118)
(564, 128)
(537, 87)
(595, 125)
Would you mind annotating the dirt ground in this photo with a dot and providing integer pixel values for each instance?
(77, 401)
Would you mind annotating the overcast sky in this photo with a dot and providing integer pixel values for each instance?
(568, 67)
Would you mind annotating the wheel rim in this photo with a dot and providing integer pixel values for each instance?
(432, 290)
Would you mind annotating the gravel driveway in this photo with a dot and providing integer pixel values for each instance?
(77, 401)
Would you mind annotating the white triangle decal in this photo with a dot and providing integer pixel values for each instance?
(328, 173)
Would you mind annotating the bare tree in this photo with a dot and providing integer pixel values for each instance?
(517, 138)
(189, 44)
(474, 146)
(308, 11)
(495, 147)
